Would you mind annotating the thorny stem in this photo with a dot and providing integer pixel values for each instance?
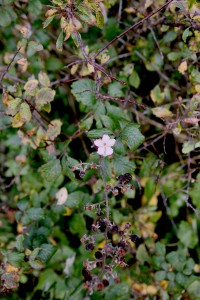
(132, 27)
(105, 192)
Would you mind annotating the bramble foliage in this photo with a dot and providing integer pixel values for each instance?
(99, 131)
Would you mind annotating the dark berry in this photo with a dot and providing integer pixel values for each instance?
(120, 178)
(102, 225)
(86, 275)
(134, 238)
(121, 245)
(98, 255)
(127, 177)
(121, 232)
(105, 282)
(89, 246)
(114, 229)
(99, 264)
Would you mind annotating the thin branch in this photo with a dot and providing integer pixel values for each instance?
(132, 27)
(8, 66)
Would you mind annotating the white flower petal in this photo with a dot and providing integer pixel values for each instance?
(101, 151)
(105, 138)
(61, 196)
(98, 143)
(111, 142)
(108, 151)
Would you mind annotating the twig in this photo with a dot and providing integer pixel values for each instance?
(8, 66)
(132, 27)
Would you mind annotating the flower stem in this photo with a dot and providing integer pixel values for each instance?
(104, 182)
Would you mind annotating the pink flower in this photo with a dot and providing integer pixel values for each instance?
(105, 145)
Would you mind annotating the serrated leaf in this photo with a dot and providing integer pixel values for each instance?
(115, 89)
(97, 133)
(187, 235)
(84, 91)
(122, 165)
(59, 42)
(13, 106)
(86, 124)
(51, 170)
(17, 120)
(15, 259)
(54, 129)
(132, 136)
(77, 224)
(35, 213)
(48, 21)
(46, 252)
(160, 249)
(36, 264)
(44, 96)
(31, 87)
(25, 112)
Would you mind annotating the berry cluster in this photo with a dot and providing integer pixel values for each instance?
(122, 185)
(107, 258)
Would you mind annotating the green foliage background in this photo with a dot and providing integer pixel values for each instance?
(49, 116)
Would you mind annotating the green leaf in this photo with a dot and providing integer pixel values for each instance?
(98, 133)
(46, 252)
(48, 21)
(187, 235)
(173, 56)
(59, 42)
(35, 213)
(188, 147)
(86, 124)
(160, 249)
(33, 47)
(19, 242)
(44, 96)
(132, 136)
(84, 91)
(115, 89)
(46, 279)
(76, 199)
(160, 275)
(186, 34)
(156, 95)
(51, 170)
(15, 259)
(142, 254)
(134, 79)
(170, 36)
(106, 166)
(194, 288)
(77, 225)
(5, 18)
(35, 7)
(123, 165)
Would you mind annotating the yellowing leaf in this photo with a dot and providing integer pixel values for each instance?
(44, 96)
(25, 112)
(17, 121)
(51, 12)
(74, 69)
(44, 79)
(31, 87)
(161, 112)
(182, 67)
(54, 129)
